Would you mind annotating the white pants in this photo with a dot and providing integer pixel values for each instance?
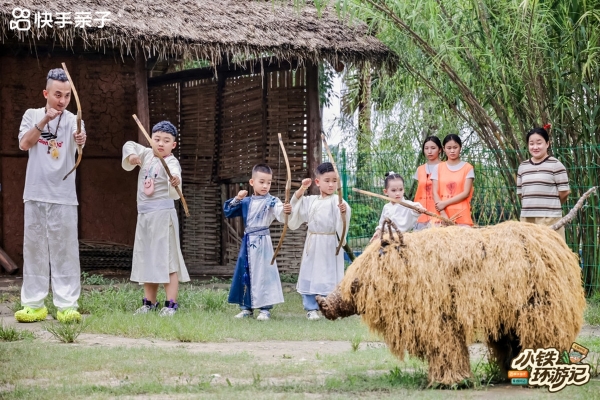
(50, 239)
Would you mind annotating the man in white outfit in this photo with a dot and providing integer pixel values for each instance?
(50, 237)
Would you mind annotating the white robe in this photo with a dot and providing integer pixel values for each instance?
(320, 270)
(156, 250)
(403, 217)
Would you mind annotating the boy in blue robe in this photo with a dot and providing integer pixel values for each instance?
(256, 282)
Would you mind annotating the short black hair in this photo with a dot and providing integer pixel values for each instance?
(435, 141)
(264, 168)
(57, 74)
(325, 168)
(166, 127)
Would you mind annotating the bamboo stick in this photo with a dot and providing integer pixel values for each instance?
(569, 217)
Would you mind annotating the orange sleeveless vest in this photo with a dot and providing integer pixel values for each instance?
(424, 194)
(452, 183)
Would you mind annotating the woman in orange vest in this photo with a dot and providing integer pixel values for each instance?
(432, 150)
(453, 184)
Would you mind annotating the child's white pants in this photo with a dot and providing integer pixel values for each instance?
(50, 239)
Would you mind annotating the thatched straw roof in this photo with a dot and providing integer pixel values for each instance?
(207, 29)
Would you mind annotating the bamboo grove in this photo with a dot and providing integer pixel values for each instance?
(493, 69)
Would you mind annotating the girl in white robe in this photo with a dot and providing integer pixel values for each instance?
(157, 254)
(404, 218)
(320, 270)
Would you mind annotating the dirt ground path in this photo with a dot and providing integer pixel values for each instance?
(273, 352)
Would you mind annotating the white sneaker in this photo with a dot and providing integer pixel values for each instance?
(264, 315)
(167, 312)
(312, 315)
(245, 314)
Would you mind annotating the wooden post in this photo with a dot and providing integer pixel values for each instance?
(313, 128)
(264, 104)
(141, 88)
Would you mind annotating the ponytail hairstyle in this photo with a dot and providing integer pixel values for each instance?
(436, 141)
(543, 132)
(391, 176)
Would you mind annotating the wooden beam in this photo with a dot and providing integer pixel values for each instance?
(313, 128)
(141, 88)
(232, 70)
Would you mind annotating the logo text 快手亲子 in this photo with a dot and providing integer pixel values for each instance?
(24, 19)
(548, 367)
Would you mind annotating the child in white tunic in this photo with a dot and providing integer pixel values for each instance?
(256, 282)
(404, 218)
(157, 255)
(320, 270)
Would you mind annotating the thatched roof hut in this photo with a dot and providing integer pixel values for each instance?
(265, 55)
(210, 30)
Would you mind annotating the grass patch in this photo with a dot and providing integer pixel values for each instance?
(66, 332)
(592, 311)
(93, 279)
(113, 309)
(11, 334)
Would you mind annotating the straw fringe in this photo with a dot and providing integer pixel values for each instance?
(217, 30)
(515, 284)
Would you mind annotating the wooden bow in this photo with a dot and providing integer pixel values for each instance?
(79, 147)
(164, 164)
(288, 187)
(402, 203)
(340, 198)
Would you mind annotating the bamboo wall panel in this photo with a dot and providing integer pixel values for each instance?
(226, 127)
(200, 239)
(242, 141)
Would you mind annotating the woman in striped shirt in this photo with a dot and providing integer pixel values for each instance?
(542, 182)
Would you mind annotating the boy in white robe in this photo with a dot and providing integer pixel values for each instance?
(404, 218)
(50, 240)
(157, 254)
(320, 270)
(256, 282)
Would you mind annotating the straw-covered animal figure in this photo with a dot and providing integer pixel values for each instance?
(516, 284)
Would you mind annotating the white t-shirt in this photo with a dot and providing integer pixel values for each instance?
(429, 168)
(453, 168)
(45, 173)
(164, 194)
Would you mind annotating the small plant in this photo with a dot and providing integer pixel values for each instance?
(15, 306)
(87, 279)
(10, 334)
(215, 280)
(416, 378)
(355, 342)
(256, 379)
(214, 300)
(594, 363)
(66, 332)
(288, 278)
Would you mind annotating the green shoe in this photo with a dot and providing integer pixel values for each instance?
(28, 314)
(69, 315)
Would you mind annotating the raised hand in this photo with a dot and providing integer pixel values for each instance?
(241, 194)
(134, 159)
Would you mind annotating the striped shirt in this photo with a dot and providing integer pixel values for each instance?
(539, 185)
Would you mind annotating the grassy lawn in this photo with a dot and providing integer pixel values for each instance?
(38, 366)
